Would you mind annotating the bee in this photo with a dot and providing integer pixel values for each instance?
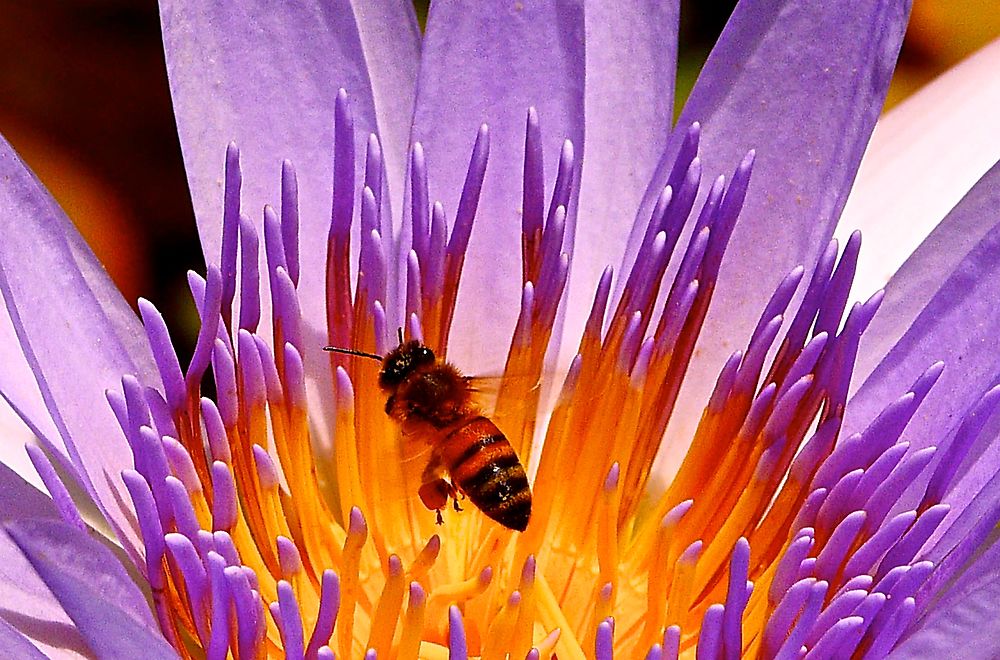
(431, 399)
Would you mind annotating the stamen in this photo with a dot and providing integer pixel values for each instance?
(224, 498)
(865, 557)
(413, 623)
(326, 617)
(224, 369)
(61, 498)
(249, 276)
(425, 560)
(230, 233)
(878, 472)
(661, 558)
(457, 646)
(245, 612)
(286, 309)
(832, 555)
(671, 642)
(289, 558)
(533, 193)
(500, 628)
(710, 635)
(387, 609)
(905, 550)
(195, 579)
(339, 317)
(291, 622)
(209, 311)
(357, 533)
(462, 229)
(958, 448)
(788, 566)
(889, 491)
(152, 537)
(419, 201)
(163, 354)
(682, 585)
(885, 636)
(784, 633)
(604, 646)
(218, 443)
(290, 219)
(521, 635)
(737, 597)
(218, 643)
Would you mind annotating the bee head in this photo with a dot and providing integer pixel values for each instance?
(403, 361)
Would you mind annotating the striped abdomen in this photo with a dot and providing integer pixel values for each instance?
(483, 465)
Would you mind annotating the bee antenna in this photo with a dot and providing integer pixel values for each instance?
(351, 351)
(399, 331)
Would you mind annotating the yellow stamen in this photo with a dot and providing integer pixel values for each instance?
(682, 585)
(413, 624)
(357, 533)
(387, 610)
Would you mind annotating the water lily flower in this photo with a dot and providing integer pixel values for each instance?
(728, 459)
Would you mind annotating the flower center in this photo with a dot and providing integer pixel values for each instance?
(284, 515)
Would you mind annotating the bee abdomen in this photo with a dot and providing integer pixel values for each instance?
(485, 467)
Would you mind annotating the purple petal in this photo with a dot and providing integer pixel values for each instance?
(76, 331)
(16, 435)
(489, 63)
(965, 618)
(27, 604)
(16, 645)
(18, 388)
(266, 76)
(93, 587)
(924, 156)
(631, 59)
(941, 305)
(273, 92)
(802, 84)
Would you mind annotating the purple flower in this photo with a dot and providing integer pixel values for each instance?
(729, 457)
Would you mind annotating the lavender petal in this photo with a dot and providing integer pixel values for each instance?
(93, 587)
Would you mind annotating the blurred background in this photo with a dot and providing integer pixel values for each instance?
(84, 99)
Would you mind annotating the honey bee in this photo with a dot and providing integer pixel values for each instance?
(431, 399)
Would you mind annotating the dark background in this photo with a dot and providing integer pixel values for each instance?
(84, 99)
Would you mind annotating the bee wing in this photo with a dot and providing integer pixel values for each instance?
(486, 388)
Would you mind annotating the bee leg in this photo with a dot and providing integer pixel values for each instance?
(434, 494)
(454, 494)
(440, 518)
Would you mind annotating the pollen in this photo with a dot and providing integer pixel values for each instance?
(281, 517)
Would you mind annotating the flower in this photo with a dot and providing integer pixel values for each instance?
(282, 514)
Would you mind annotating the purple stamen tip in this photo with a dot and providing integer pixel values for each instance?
(417, 595)
(604, 644)
(357, 524)
(329, 606)
(671, 642)
(528, 570)
(457, 646)
(267, 471)
(163, 354)
(291, 621)
(611, 481)
(289, 558)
